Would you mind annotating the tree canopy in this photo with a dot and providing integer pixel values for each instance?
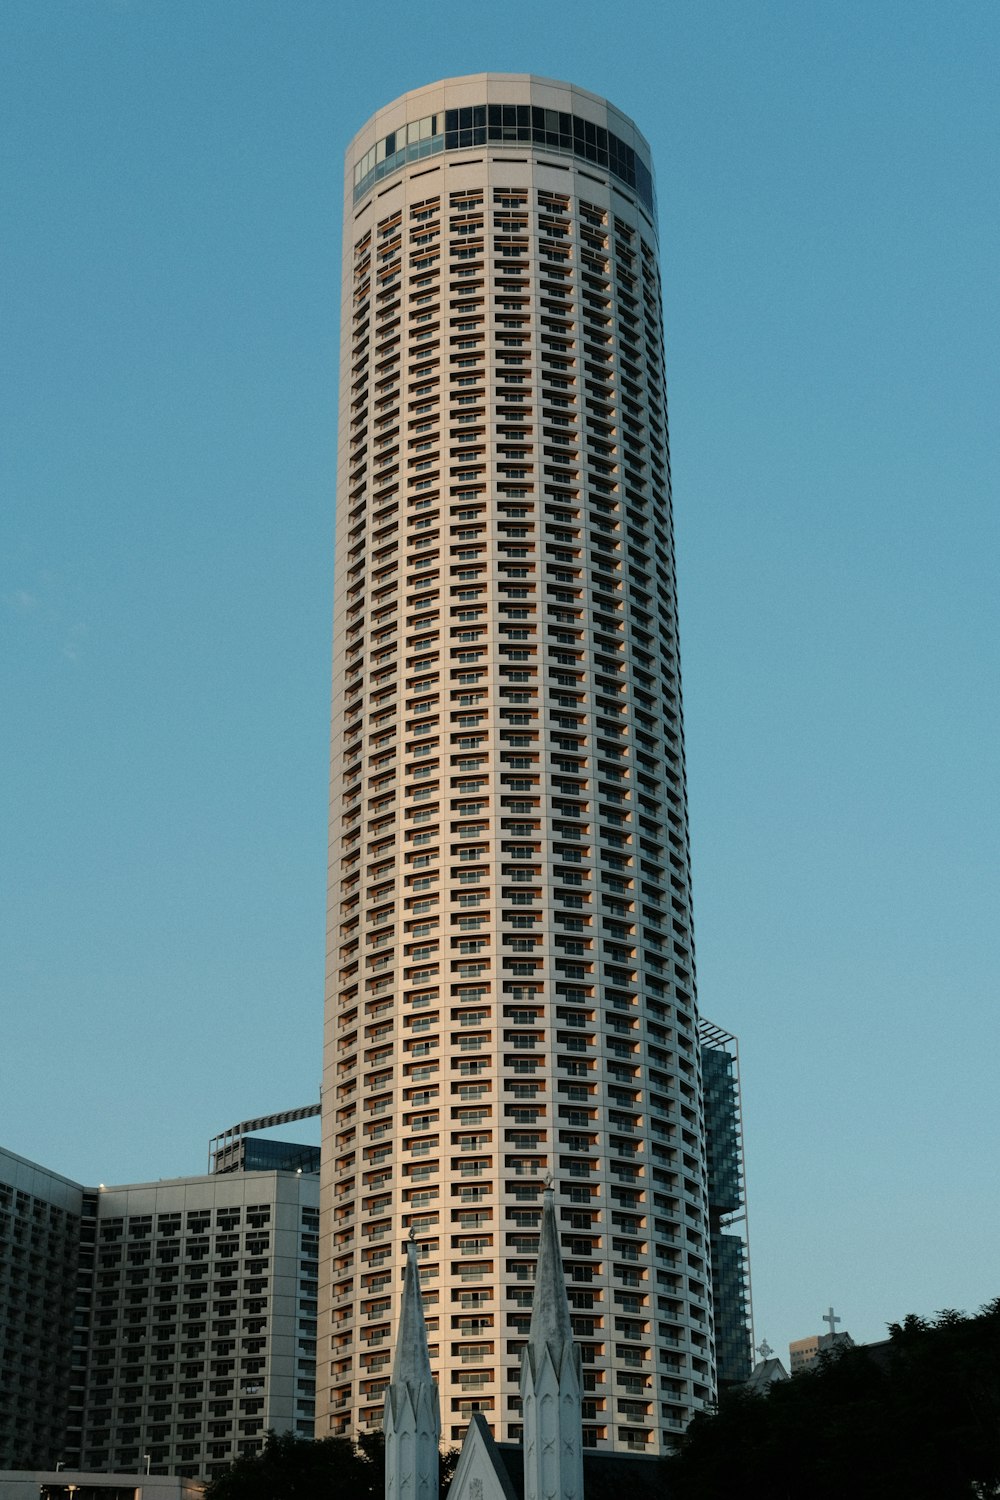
(917, 1417)
(295, 1468)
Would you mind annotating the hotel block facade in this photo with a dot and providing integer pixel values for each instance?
(511, 957)
(171, 1323)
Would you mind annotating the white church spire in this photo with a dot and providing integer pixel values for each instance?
(551, 1379)
(412, 1418)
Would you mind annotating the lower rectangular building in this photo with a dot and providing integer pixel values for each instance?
(171, 1323)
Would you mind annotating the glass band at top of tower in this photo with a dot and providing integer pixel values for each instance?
(496, 122)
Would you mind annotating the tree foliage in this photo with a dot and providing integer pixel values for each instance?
(917, 1418)
(295, 1468)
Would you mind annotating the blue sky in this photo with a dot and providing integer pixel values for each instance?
(169, 255)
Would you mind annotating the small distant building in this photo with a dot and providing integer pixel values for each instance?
(765, 1373)
(803, 1353)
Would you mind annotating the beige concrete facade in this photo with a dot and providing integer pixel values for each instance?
(202, 1320)
(170, 1321)
(510, 959)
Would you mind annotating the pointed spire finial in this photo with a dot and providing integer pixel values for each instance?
(412, 1361)
(551, 1376)
(550, 1315)
(411, 1419)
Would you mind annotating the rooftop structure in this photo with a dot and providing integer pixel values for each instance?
(804, 1353)
(727, 1205)
(241, 1148)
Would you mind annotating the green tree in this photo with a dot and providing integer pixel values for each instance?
(294, 1468)
(371, 1447)
(916, 1418)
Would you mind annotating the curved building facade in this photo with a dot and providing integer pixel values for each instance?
(511, 959)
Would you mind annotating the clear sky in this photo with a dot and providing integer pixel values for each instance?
(169, 252)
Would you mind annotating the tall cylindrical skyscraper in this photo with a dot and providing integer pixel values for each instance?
(510, 985)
